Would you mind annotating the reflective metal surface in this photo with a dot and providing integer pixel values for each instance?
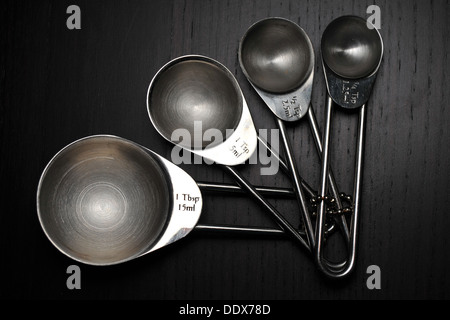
(276, 55)
(194, 90)
(103, 200)
(350, 49)
(237, 148)
(277, 58)
(263, 52)
(351, 56)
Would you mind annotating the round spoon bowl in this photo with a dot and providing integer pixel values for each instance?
(350, 49)
(276, 55)
(193, 93)
(103, 200)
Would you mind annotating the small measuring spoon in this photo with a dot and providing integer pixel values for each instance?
(277, 57)
(351, 56)
(196, 88)
(104, 200)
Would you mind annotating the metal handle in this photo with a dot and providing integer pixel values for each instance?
(239, 230)
(248, 231)
(342, 270)
(297, 186)
(235, 189)
(331, 180)
(282, 222)
(266, 191)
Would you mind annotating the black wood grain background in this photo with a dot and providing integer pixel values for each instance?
(58, 85)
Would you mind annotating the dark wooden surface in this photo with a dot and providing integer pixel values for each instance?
(58, 85)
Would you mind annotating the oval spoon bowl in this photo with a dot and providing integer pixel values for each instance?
(103, 200)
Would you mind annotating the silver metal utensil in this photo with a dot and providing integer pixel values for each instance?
(351, 57)
(197, 88)
(277, 57)
(105, 200)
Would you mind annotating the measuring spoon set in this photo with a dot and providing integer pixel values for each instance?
(104, 200)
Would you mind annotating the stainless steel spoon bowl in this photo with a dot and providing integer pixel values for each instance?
(277, 58)
(276, 55)
(351, 56)
(194, 90)
(103, 200)
(198, 95)
(350, 48)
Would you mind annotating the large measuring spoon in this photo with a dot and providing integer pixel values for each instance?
(195, 90)
(351, 56)
(277, 57)
(104, 200)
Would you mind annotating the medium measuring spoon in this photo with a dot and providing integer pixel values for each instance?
(104, 200)
(277, 57)
(193, 90)
(351, 56)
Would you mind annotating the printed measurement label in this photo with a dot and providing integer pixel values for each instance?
(239, 148)
(350, 92)
(291, 107)
(186, 202)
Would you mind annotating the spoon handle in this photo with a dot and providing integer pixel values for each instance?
(282, 222)
(266, 191)
(297, 186)
(235, 189)
(341, 270)
(323, 188)
(239, 230)
(331, 180)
